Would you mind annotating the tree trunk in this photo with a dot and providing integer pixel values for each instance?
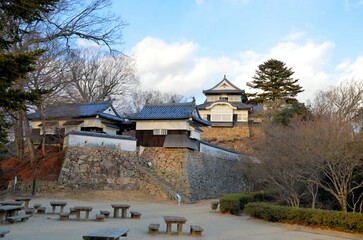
(40, 109)
(28, 138)
(35, 173)
(19, 140)
(343, 203)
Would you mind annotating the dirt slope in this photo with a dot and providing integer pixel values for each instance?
(48, 170)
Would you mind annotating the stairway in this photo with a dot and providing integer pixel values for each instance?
(171, 193)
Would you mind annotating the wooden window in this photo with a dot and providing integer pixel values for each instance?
(160, 132)
(242, 117)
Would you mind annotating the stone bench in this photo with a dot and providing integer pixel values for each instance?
(214, 205)
(30, 211)
(41, 209)
(21, 217)
(63, 216)
(196, 231)
(37, 205)
(106, 213)
(72, 211)
(135, 215)
(3, 231)
(100, 218)
(60, 204)
(154, 228)
(106, 234)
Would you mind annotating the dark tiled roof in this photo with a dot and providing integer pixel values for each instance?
(238, 105)
(169, 112)
(77, 110)
(105, 135)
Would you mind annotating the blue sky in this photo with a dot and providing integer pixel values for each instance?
(185, 46)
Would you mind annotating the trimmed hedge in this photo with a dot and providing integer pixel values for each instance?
(343, 221)
(235, 203)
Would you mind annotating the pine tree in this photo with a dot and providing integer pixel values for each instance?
(15, 66)
(275, 80)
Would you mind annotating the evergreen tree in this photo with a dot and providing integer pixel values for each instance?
(275, 80)
(15, 66)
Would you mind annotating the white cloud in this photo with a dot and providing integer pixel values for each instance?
(351, 4)
(294, 35)
(83, 43)
(306, 60)
(351, 69)
(176, 66)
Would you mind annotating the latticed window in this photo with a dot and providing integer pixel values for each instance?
(160, 132)
(242, 117)
(222, 114)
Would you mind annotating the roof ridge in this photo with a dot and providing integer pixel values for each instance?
(87, 103)
(229, 82)
(169, 104)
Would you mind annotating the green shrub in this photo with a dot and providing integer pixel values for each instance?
(230, 204)
(351, 222)
(235, 203)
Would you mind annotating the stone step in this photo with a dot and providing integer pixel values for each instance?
(164, 185)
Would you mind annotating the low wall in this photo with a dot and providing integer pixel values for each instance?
(99, 140)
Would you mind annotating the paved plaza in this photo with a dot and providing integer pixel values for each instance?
(215, 225)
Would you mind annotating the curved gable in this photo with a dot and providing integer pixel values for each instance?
(221, 103)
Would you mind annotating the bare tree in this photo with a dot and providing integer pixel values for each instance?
(135, 101)
(59, 29)
(92, 76)
(343, 103)
(282, 169)
(322, 153)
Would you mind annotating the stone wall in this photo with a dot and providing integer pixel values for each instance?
(158, 171)
(170, 165)
(212, 177)
(225, 133)
(232, 138)
(194, 174)
(86, 168)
